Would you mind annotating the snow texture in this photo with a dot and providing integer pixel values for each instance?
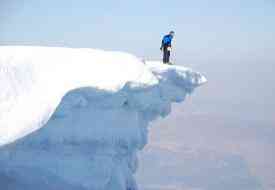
(76, 118)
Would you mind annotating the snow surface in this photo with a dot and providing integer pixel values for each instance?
(76, 118)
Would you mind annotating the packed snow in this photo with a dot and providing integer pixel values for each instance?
(76, 118)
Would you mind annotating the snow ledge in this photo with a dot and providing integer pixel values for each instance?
(78, 116)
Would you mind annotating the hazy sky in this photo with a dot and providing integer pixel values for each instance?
(231, 41)
(204, 29)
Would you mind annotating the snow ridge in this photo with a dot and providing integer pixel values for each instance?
(76, 118)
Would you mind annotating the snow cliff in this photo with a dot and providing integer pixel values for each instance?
(76, 118)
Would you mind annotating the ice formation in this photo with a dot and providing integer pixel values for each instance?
(76, 118)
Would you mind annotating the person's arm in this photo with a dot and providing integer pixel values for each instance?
(170, 41)
(161, 44)
(169, 44)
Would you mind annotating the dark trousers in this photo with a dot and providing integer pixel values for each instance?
(166, 55)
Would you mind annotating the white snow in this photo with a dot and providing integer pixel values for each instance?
(77, 117)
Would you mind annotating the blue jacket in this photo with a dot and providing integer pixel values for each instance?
(166, 41)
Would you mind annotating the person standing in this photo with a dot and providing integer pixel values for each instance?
(166, 47)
